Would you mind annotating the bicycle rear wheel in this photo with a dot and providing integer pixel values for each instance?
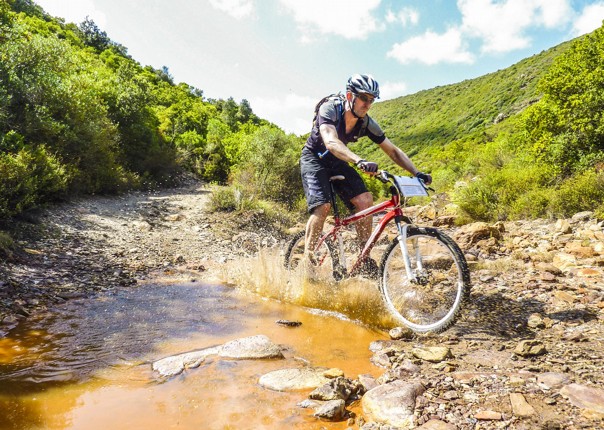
(431, 299)
(325, 265)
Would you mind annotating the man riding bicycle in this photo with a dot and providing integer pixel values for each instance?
(326, 154)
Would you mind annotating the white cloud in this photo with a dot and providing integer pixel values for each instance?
(236, 8)
(293, 113)
(499, 25)
(432, 48)
(351, 19)
(391, 90)
(406, 16)
(502, 25)
(74, 11)
(590, 19)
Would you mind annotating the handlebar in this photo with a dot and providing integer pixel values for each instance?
(386, 177)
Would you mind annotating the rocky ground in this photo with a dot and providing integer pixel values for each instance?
(527, 353)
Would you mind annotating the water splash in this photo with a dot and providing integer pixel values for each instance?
(265, 275)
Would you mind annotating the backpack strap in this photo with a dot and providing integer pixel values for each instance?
(339, 98)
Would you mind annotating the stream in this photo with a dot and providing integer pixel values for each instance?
(86, 364)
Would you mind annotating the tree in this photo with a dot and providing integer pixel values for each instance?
(93, 36)
(567, 126)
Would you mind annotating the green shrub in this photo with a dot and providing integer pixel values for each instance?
(29, 177)
(229, 199)
(7, 245)
(582, 192)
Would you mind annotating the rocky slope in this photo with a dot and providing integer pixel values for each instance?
(527, 353)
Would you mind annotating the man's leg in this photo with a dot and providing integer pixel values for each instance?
(364, 227)
(314, 227)
(361, 202)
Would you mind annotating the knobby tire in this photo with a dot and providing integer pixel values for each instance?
(433, 302)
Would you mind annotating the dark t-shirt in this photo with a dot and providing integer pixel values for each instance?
(332, 112)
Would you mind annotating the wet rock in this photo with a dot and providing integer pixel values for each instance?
(368, 382)
(398, 333)
(288, 323)
(309, 404)
(174, 365)
(253, 347)
(339, 388)
(294, 379)
(333, 373)
(389, 345)
(392, 403)
(333, 410)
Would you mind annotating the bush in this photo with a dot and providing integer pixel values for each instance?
(7, 246)
(28, 177)
(582, 192)
(229, 199)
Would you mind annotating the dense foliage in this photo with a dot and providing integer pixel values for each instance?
(79, 115)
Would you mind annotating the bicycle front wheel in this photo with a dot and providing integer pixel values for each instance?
(325, 265)
(427, 296)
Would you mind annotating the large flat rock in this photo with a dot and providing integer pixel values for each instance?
(294, 379)
(247, 348)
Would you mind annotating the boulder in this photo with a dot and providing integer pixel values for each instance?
(253, 347)
(392, 403)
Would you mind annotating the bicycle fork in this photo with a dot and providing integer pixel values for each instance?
(402, 240)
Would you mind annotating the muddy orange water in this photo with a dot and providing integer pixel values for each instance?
(87, 364)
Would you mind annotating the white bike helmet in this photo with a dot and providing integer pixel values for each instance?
(363, 84)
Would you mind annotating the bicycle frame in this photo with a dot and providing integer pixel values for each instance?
(393, 211)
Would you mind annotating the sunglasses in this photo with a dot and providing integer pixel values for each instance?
(365, 98)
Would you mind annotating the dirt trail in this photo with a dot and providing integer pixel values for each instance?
(91, 245)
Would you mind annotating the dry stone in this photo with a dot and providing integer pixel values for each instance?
(392, 403)
(434, 354)
(585, 397)
(520, 407)
(530, 348)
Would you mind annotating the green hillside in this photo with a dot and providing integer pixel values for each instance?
(525, 141)
(443, 114)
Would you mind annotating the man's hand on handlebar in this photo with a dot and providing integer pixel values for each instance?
(367, 166)
(424, 177)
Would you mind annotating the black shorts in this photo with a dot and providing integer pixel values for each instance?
(315, 179)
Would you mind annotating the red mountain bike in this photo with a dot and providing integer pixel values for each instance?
(423, 274)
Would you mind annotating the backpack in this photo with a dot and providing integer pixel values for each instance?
(339, 101)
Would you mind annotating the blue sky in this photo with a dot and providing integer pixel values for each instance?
(284, 55)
